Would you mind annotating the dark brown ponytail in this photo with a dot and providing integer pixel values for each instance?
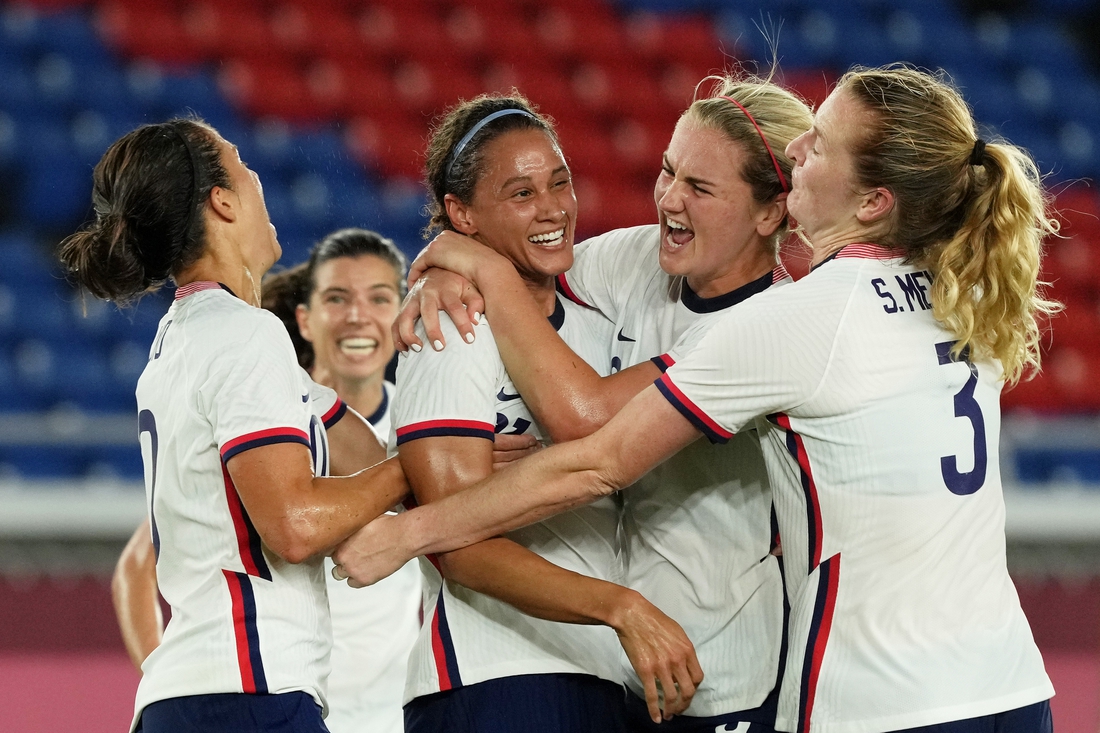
(149, 191)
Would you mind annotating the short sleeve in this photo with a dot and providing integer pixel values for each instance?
(604, 267)
(254, 394)
(748, 364)
(325, 403)
(450, 392)
(687, 342)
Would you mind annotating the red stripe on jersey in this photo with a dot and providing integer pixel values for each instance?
(240, 632)
(563, 287)
(191, 288)
(264, 437)
(445, 428)
(439, 655)
(813, 505)
(703, 417)
(868, 251)
(336, 408)
(779, 273)
(248, 540)
(820, 626)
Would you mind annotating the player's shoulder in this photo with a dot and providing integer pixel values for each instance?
(219, 316)
(622, 246)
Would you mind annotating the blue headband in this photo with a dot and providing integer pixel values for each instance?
(476, 129)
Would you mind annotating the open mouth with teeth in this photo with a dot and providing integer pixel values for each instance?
(677, 235)
(550, 239)
(357, 346)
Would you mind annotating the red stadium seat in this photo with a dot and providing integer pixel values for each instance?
(429, 90)
(148, 31)
(231, 30)
(813, 86)
(273, 90)
(689, 41)
(309, 29)
(394, 149)
(572, 35)
(1078, 326)
(1072, 264)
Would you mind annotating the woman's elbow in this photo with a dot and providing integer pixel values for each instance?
(295, 540)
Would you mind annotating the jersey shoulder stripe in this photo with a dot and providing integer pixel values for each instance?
(821, 624)
(440, 428)
(246, 635)
(335, 414)
(715, 433)
(262, 438)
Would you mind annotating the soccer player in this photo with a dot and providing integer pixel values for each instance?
(492, 655)
(238, 521)
(874, 383)
(697, 531)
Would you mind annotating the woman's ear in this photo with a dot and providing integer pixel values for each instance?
(876, 204)
(301, 315)
(461, 216)
(224, 202)
(771, 216)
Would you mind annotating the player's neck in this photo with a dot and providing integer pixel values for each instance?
(542, 290)
(362, 395)
(233, 272)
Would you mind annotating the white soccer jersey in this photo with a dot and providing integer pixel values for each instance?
(222, 379)
(697, 529)
(469, 637)
(882, 453)
(373, 630)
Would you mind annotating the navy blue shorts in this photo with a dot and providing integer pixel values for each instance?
(757, 720)
(1031, 719)
(530, 703)
(234, 712)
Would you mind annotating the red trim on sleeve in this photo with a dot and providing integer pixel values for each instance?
(263, 437)
(701, 420)
(445, 428)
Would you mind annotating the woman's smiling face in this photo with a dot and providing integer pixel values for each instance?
(349, 315)
(523, 206)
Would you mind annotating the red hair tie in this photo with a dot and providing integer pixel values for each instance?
(775, 162)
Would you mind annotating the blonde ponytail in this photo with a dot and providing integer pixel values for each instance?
(986, 289)
(973, 213)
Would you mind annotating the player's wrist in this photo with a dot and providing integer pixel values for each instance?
(622, 608)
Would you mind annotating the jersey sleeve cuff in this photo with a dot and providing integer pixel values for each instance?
(663, 362)
(715, 433)
(445, 428)
(335, 413)
(261, 438)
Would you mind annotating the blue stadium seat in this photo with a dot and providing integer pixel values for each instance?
(44, 461)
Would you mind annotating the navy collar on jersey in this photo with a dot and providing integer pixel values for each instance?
(698, 304)
(557, 318)
(198, 286)
(380, 413)
(863, 251)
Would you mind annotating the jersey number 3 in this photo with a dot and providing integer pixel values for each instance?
(965, 406)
